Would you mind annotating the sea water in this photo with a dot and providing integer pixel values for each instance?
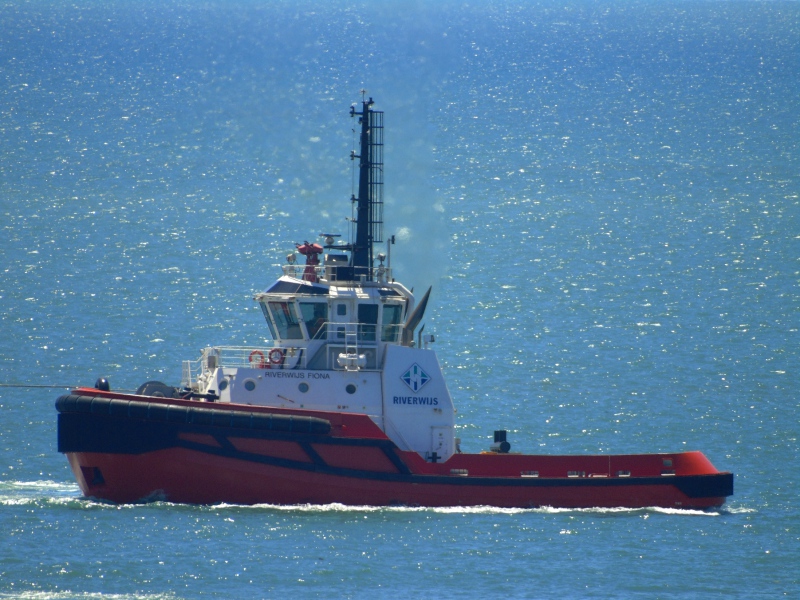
(604, 196)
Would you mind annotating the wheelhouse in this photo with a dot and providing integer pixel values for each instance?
(373, 314)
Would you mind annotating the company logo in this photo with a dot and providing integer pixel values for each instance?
(415, 378)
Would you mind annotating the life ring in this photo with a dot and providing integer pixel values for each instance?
(257, 359)
(275, 356)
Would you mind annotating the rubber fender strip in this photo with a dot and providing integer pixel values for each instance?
(171, 413)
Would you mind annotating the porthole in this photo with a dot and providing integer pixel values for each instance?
(249, 385)
(223, 385)
(303, 387)
(350, 389)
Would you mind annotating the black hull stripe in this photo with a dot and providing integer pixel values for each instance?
(190, 415)
(694, 486)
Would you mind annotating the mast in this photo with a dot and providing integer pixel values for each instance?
(369, 209)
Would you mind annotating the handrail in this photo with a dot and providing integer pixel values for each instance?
(192, 370)
(319, 353)
(332, 274)
(333, 331)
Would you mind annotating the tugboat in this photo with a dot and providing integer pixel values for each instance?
(346, 406)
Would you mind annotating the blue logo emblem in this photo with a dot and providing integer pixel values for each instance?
(415, 377)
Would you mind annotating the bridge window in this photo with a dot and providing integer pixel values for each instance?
(390, 330)
(265, 310)
(367, 321)
(314, 316)
(286, 321)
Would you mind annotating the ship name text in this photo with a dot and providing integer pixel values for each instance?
(296, 375)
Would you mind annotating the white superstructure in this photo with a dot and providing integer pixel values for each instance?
(338, 346)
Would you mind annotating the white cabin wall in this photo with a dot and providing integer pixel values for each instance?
(421, 420)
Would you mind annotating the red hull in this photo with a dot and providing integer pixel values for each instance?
(171, 453)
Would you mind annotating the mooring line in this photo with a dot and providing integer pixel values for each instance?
(47, 386)
(37, 385)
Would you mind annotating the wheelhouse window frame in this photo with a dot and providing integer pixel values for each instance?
(285, 319)
(315, 318)
(265, 310)
(368, 315)
(390, 328)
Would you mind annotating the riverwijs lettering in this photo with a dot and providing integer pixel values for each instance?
(426, 400)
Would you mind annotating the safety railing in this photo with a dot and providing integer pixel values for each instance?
(332, 274)
(321, 352)
(192, 370)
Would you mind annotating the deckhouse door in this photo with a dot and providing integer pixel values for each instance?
(343, 318)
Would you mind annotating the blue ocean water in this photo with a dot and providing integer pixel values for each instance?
(604, 196)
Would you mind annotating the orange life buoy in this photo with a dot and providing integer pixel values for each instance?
(257, 359)
(276, 356)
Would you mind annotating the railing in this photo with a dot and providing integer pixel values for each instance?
(331, 273)
(320, 353)
(363, 332)
(192, 370)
